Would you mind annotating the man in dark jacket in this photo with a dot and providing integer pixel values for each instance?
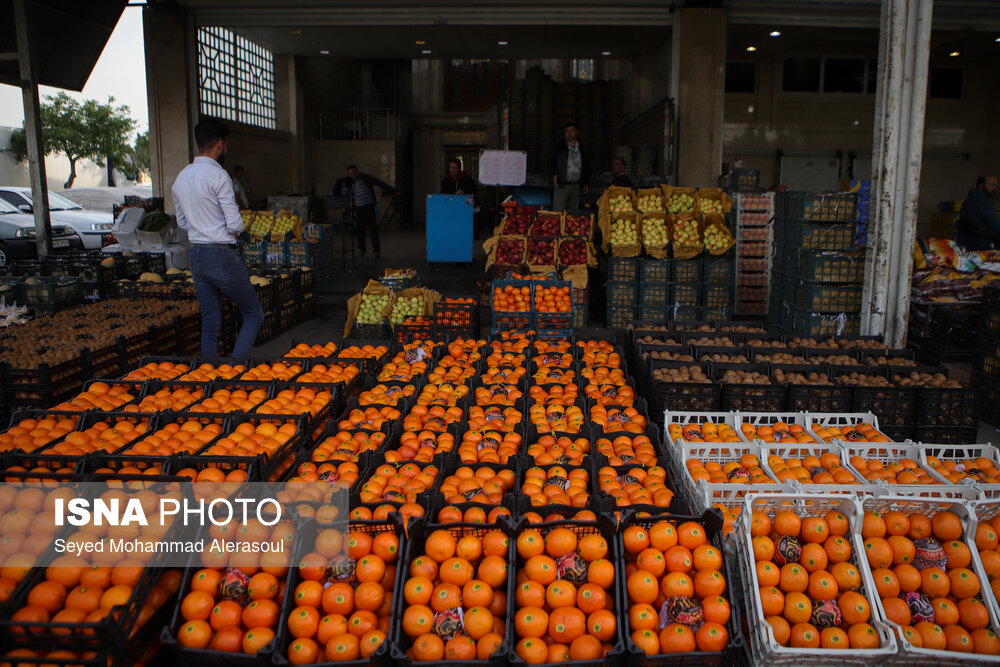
(978, 224)
(457, 182)
(361, 188)
(569, 171)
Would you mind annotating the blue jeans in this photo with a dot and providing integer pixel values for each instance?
(221, 270)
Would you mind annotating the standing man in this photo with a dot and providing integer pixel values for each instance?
(569, 171)
(978, 224)
(457, 182)
(361, 188)
(618, 175)
(242, 196)
(206, 208)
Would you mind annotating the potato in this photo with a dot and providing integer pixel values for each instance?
(794, 377)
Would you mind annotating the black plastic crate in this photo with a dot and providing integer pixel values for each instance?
(680, 313)
(660, 314)
(654, 294)
(619, 317)
(409, 332)
(817, 206)
(897, 433)
(53, 291)
(621, 293)
(946, 435)
(687, 295)
(989, 397)
(623, 269)
(717, 296)
(682, 396)
(654, 271)
(894, 406)
(828, 297)
(718, 269)
(748, 397)
(948, 407)
(819, 398)
(831, 267)
(459, 316)
(687, 271)
(818, 236)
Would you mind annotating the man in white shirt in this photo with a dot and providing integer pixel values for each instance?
(242, 196)
(206, 208)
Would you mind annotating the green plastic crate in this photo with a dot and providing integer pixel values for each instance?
(621, 294)
(653, 295)
(623, 269)
(654, 271)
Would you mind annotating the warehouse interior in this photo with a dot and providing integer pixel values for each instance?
(400, 87)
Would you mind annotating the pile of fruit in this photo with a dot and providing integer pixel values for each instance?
(685, 232)
(258, 223)
(405, 308)
(680, 202)
(285, 222)
(372, 308)
(654, 232)
(650, 203)
(620, 203)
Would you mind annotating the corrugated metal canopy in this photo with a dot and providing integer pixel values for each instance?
(68, 37)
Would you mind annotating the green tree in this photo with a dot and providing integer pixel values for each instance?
(81, 130)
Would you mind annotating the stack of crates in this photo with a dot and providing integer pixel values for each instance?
(621, 291)
(818, 273)
(986, 369)
(754, 222)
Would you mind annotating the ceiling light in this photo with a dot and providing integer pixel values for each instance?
(605, 53)
(426, 52)
(997, 39)
(751, 49)
(296, 31)
(502, 43)
(324, 52)
(954, 54)
(421, 42)
(775, 33)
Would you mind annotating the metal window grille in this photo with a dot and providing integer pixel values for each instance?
(235, 78)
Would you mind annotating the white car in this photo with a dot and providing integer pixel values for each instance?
(17, 236)
(92, 226)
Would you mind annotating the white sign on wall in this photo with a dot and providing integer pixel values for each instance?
(503, 167)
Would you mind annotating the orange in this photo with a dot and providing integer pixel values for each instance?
(946, 526)
(226, 614)
(642, 587)
(932, 635)
(986, 642)
(428, 647)
(768, 573)
(712, 637)
(602, 624)
(532, 650)
(566, 624)
(677, 638)
(303, 652)
(716, 609)
(635, 539)
(780, 628)
(934, 582)
(194, 634)
(814, 557)
(787, 523)
(896, 610)
(822, 586)
(872, 525)
(854, 608)
(196, 606)
(417, 620)
(772, 601)
(794, 578)
(847, 576)
(878, 552)
(886, 582)
(909, 578)
(814, 529)
(957, 639)
(531, 622)
(803, 635)
(964, 583)
(834, 638)
(647, 641)
(798, 608)
(972, 614)
(303, 622)
(863, 636)
(560, 541)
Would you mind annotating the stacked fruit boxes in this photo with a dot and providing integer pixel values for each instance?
(819, 275)
(754, 238)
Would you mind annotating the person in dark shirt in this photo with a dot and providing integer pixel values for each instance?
(457, 182)
(361, 188)
(569, 171)
(978, 224)
(618, 175)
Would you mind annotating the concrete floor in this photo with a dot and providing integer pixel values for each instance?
(405, 248)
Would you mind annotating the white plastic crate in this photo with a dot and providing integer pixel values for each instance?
(908, 654)
(840, 419)
(983, 510)
(770, 418)
(799, 451)
(962, 453)
(889, 453)
(683, 418)
(703, 495)
(765, 650)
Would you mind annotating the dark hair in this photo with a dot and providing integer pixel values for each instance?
(455, 160)
(624, 163)
(571, 124)
(351, 166)
(238, 167)
(981, 182)
(208, 131)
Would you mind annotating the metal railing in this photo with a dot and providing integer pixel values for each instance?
(359, 124)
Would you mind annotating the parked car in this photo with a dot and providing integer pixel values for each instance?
(92, 226)
(17, 236)
(105, 198)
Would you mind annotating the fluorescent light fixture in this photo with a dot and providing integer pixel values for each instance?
(502, 43)
(954, 54)
(751, 49)
(775, 33)
(605, 53)
(324, 52)
(426, 52)
(296, 31)
(421, 42)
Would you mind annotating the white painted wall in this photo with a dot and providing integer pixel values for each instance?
(88, 174)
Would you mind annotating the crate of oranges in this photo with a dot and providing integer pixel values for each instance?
(513, 306)
(497, 395)
(775, 428)
(336, 444)
(549, 448)
(845, 427)
(627, 448)
(488, 446)
(713, 474)
(701, 427)
(897, 469)
(422, 446)
(680, 605)
(404, 486)
(229, 613)
(810, 599)
(984, 532)
(923, 557)
(816, 468)
(975, 465)
(637, 486)
(564, 486)
(455, 596)
(475, 512)
(101, 395)
(234, 397)
(342, 614)
(567, 592)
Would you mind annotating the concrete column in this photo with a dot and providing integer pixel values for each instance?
(900, 102)
(698, 61)
(172, 96)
